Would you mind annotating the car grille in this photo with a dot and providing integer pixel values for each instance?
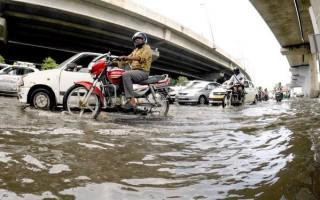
(219, 93)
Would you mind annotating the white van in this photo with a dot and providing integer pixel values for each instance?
(45, 89)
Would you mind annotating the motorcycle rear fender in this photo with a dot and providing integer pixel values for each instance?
(88, 85)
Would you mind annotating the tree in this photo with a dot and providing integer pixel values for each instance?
(2, 60)
(173, 81)
(48, 63)
(181, 79)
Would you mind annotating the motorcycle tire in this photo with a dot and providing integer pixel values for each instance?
(72, 102)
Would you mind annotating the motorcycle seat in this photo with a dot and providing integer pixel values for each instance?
(152, 79)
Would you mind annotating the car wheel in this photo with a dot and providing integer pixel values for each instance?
(42, 99)
(202, 100)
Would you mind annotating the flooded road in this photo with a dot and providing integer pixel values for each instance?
(265, 151)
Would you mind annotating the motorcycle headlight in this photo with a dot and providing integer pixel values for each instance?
(90, 66)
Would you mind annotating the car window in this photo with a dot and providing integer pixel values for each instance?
(83, 61)
(27, 71)
(216, 84)
(19, 71)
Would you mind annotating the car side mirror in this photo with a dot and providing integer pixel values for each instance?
(246, 85)
(78, 67)
(71, 66)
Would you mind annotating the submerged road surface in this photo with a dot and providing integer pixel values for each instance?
(265, 151)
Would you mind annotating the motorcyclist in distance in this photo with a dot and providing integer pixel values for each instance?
(237, 80)
(279, 88)
(266, 94)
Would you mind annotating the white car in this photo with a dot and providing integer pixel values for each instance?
(45, 89)
(11, 76)
(216, 95)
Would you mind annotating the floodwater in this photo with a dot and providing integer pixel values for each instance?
(265, 151)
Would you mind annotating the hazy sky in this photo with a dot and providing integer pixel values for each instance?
(237, 28)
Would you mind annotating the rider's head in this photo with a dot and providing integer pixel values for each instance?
(139, 39)
(236, 70)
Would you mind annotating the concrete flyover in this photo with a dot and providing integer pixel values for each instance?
(293, 22)
(71, 26)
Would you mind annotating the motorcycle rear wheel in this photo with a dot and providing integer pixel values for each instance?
(162, 108)
(73, 102)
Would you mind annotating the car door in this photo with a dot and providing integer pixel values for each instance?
(209, 88)
(68, 78)
(8, 79)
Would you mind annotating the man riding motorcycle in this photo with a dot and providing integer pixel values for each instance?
(140, 62)
(237, 81)
(279, 92)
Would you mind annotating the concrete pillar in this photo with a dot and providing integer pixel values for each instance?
(3, 30)
(315, 19)
(315, 4)
(301, 79)
(314, 82)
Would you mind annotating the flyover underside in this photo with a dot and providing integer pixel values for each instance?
(291, 23)
(49, 30)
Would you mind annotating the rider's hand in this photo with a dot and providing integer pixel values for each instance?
(123, 58)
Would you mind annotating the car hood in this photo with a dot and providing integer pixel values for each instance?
(190, 91)
(220, 89)
(35, 76)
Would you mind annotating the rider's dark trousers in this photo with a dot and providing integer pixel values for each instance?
(130, 77)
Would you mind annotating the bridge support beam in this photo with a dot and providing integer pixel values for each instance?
(307, 77)
(3, 30)
(314, 82)
(299, 78)
(212, 76)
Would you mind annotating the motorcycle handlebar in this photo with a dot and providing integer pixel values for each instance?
(106, 55)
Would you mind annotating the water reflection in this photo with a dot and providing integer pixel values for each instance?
(265, 151)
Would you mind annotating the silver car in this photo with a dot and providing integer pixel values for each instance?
(196, 93)
(12, 75)
(174, 90)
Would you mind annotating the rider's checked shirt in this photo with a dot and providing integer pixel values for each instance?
(145, 54)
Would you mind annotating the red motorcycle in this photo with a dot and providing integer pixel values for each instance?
(106, 91)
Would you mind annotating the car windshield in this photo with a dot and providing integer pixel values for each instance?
(67, 61)
(225, 84)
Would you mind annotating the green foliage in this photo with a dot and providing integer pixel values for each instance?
(173, 81)
(181, 79)
(2, 60)
(48, 63)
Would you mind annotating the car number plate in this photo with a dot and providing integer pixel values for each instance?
(218, 96)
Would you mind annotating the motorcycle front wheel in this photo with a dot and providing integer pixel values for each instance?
(77, 102)
(226, 102)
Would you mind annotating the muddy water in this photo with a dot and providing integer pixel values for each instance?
(264, 151)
